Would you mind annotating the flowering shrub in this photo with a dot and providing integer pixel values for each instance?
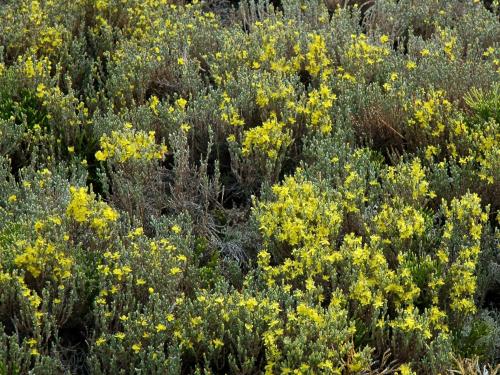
(204, 187)
(129, 145)
(83, 209)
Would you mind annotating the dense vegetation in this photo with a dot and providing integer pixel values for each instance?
(290, 188)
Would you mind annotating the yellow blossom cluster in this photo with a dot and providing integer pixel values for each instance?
(129, 144)
(34, 31)
(364, 54)
(45, 260)
(466, 216)
(84, 209)
(268, 139)
(229, 112)
(300, 214)
(317, 61)
(317, 108)
(432, 113)
(443, 130)
(370, 277)
(409, 177)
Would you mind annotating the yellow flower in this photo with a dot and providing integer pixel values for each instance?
(139, 231)
(39, 225)
(405, 369)
(410, 65)
(176, 229)
(268, 139)
(175, 270)
(79, 206)
(218, 343)
(12, 198)
(160, 327)
(100, 156)
(137, 347)
(181, 102)
(109, 214)
(196, 320)
(129, 144)
(40, 90)
(153, 105)
(489, 51)
(425, 52)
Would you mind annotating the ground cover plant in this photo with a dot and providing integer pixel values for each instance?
(296, 187)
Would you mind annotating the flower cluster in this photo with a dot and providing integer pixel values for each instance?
(43, 260)
(84, 209)
(129, 145)
(269, 138)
